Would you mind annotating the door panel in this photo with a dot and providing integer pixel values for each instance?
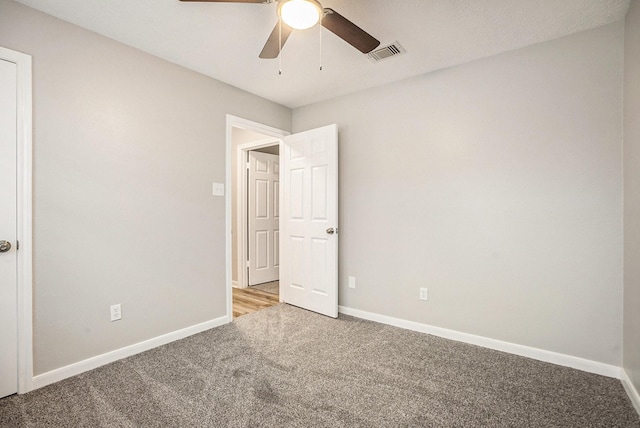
(309, 248)
(296, 275)
(262, 199)
(8, 230)
(319, 184)
(319, 266)
(264, 185)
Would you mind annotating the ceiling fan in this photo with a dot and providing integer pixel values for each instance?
(303, 14)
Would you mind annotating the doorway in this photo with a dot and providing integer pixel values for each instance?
(8, 232)
(255, 207)
(16, 367)
(257, 195)
(308, 203)
(263, 216)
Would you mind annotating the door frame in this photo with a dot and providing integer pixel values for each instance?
(242, 207)
(278, 134)
(24, 216)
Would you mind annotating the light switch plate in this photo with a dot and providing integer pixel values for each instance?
(352, 282)
(218, 189)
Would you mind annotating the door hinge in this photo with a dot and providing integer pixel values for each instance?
(248, 263)
(17, 245)
(248, 165)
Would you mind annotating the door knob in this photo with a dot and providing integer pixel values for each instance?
(5, 246)
(330, 231)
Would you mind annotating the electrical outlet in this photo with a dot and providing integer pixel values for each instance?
(116, 312)
(352, 282)
(423, 294)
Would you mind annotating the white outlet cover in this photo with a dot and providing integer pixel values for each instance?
(218, 189)
(116, 312)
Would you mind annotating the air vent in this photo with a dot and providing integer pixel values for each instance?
(393, 49)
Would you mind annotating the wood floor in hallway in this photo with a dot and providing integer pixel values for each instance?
(249, 300)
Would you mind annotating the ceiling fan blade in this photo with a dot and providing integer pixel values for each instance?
(232, 1)
(270, 49)
(348, 31)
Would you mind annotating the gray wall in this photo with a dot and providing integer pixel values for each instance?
(497, 185)
(632, 195)
(126, 147)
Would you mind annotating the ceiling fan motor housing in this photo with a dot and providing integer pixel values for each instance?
(300, 14)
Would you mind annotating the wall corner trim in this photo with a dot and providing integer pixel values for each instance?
(632, 392)
(485, 342)
(74, 369)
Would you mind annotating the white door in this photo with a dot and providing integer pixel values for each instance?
(8, 230)
(264, 217)
(309, 226)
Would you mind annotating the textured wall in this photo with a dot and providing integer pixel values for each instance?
(632, 195)
(126, 147)
(497, 185)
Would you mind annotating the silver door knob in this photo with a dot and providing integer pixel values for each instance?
(5, 246)
(330, 231)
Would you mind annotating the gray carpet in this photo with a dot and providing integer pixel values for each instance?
(285, 367)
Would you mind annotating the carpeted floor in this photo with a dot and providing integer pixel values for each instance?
(286, 367)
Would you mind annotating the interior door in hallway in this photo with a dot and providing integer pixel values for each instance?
(264, 217)
(309, 225)
(8, 230)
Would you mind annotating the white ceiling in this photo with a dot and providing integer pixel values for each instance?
(223, 40)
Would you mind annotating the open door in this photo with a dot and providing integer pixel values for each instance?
(309, 221)
(263, 217)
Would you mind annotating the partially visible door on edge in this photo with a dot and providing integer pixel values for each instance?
(309, 224)
(264, 217)
(8, 230)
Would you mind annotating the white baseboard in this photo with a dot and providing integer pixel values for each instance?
(118, 354)
(498, 345)
(632, 392)
(234, 284)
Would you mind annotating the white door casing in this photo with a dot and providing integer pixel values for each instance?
(8, 230)
(277, 135)
(309, 221)
(264, 196)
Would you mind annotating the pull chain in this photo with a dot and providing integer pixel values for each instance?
(320, 30)
(280, 46)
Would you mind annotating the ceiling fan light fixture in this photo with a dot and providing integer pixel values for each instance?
(300, 14)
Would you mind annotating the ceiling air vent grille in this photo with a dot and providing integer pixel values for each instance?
(393, 49)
